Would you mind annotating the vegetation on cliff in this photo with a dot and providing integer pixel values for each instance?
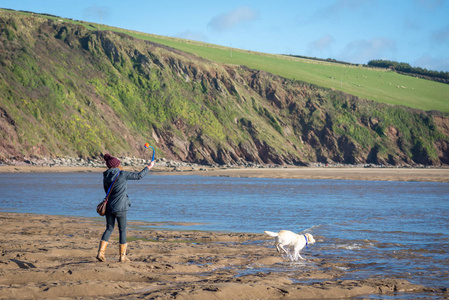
(66, 89)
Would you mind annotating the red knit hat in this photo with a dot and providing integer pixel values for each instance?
(111, 162)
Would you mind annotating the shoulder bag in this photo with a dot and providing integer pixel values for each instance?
(101, 208)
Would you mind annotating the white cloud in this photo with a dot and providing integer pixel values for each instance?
(340, 6)
(362, 51)
(231, 19)
(321, 45)
(430, 63)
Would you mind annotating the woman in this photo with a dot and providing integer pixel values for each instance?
(118, 203)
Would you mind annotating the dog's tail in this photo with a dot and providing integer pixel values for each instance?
(270, 233)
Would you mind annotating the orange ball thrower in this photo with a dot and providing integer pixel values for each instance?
(147, 145)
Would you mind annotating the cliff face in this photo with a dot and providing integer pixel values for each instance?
(67, 90)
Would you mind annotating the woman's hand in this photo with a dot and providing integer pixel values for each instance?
(150, 165)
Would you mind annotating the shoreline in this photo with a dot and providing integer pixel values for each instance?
(339, 173)
(45, 256)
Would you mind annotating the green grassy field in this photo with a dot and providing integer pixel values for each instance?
(380, 85)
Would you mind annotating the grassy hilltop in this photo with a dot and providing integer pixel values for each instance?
(80, 89)
(380, 85)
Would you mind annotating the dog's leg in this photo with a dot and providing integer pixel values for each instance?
(297, 255)
(282, 250)
(292, 258)
(289, 253)
(278, 248)
(286, 251)
(282, 247)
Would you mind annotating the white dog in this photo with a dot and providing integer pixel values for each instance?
(288, 238)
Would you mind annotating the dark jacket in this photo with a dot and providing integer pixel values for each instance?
(119, 200)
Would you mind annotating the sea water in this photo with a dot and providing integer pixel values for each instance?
(384, 228)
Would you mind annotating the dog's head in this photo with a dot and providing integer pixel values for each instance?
(310, 238)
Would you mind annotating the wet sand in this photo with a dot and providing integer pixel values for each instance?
(381, 174)
(54, 257)
(342, 173)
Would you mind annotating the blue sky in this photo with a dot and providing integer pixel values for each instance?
(412, 31)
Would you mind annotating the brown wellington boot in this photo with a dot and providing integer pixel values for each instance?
(101, 251)
(123, 257)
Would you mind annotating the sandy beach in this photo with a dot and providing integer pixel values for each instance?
(54, 257)
(344, 173)
(341, 173)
